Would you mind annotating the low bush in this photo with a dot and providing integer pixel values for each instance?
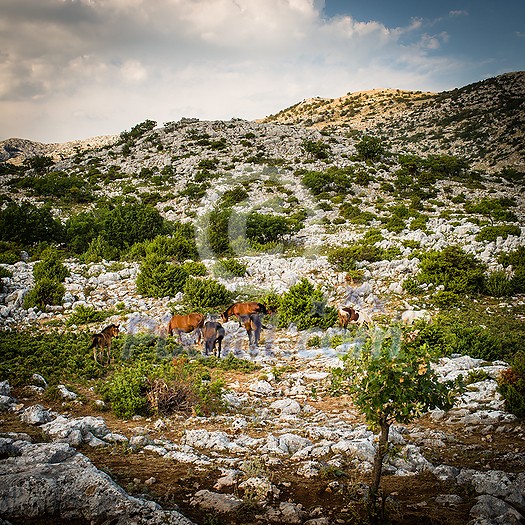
(87, 314)
(306, 307)
(491, 233)
(497, 284)
(265, 229)
(205, 293)
(227, 268)
(159, 278)
(511, 384)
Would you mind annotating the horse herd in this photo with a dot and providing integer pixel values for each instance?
(248, 314)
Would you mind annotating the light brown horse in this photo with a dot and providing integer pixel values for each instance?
(186, 323)
(347, 315)
(253, 325)
(102, 341)
(239, 309)
(213, 334)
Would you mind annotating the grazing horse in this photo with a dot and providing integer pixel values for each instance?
(213, 334)
(239, 309)
(103, 340)
(253, 325)
(347, 315)
(186, 323)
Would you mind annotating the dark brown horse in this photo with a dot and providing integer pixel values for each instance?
(102, 341)
(213, 334)
(186, 323)
(239, 309)
(253, 325)
(347, 315)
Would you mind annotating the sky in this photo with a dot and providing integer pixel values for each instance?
(74, 69)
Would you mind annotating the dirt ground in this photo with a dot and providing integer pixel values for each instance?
(337, 493)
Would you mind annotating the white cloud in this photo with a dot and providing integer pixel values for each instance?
(76, 68)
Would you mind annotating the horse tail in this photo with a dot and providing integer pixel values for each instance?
(94, 341)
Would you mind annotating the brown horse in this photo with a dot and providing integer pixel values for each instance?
(253, 325)
(213, 334)
(103, 340)
(186, 323)
(347, 315)
(239, 309)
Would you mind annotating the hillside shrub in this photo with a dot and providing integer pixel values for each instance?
(511, 385)
(159, 278)
(332, 180)
(493, 209)
(205, 293)
(80, 230)
(217, 232)
(87, 314)
(45, 292)
(317, 149)
(305, 306)
(452, 268)
(50, 266)
(227, 268)
(234, 196)
(263, 228)
(345, 258)
(497, 284)
(370, 148)
(58, 357)
(98, 249)
(491, 233)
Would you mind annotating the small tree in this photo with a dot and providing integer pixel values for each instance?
(390, 381)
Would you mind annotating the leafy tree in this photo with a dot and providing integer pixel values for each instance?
(217, 231)
(27, 224)
(205, 293)
(493, 209)
(127, 224)
(333, 179)
(316, 149)
(390, 381)
(80, 230)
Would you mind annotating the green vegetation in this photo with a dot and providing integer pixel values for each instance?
(205, 293)
(332, 180)
(346, 258)
(305, 306)
(390, 381)
(370, 148)
(227, 268)
(511, 384)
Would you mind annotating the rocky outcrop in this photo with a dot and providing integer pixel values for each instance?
(52, 481)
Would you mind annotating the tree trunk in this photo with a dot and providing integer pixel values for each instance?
(382, 449)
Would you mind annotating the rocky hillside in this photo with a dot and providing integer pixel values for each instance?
(342, 210)
(482, 122)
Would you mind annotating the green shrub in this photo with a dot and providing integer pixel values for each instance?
(80, 230)
(87, 314)
(265, 229)
(194, 268)
(217, 232)
(45, 292)
(179, 246)
(227, 268)
(126, 224)
(370, 148)
(511, 384)
(497, 284)
(127, 389)
(305, 306)
(98, 249)
(233, 196)
(316, 149)
(452, 268)
(518, 281)
(58, 357)
(50, 267)
(205, 293)
(332, 180)
(491, 233)
(160, 278)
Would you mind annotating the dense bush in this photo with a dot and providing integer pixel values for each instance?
(333, 179)
(233, 196)
(217, 232)
(80, 230)
(229, 268)
(205, 293)
(453, 269)
(160, 278)
(491, 233)
(316, 149)
(58, 357)
(345, 258)
(370, 148)
(497, 284)
(27, 224)
(511, 385)
(264, 229)
(50, 266)
(63, 186)
(493, 209)
(126, 224)
(305, 306)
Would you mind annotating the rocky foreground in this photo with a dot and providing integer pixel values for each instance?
(275, 427)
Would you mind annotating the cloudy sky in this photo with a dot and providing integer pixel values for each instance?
(72, 69)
